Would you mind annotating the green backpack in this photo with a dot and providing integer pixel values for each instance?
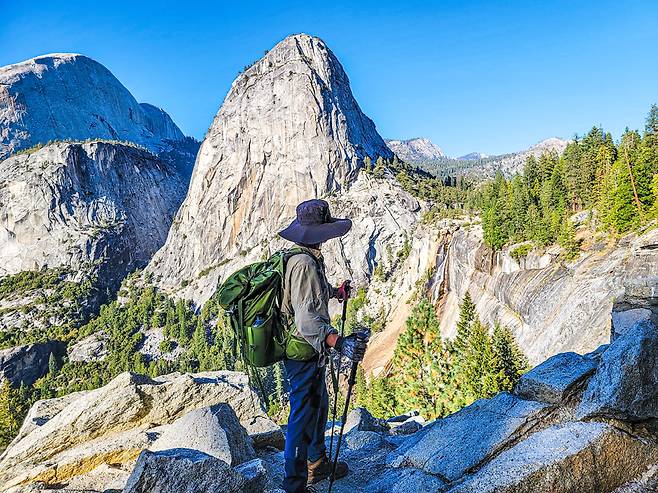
(252, 297)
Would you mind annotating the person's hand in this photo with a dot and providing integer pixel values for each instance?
(344, 291)
(353, 346)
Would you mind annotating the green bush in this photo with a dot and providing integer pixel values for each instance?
(521, 251)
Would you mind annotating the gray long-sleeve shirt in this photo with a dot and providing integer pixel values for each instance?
(306, 294)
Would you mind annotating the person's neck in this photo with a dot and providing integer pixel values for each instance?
(315, 246)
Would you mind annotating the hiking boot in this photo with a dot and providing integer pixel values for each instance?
(321, 469)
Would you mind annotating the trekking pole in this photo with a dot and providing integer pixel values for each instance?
(334, 376)
(350, 386)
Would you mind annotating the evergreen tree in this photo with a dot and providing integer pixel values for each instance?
(476, 363)
(419, 357)
(52, 364)
(623, 213)
(467, 315)
(361, 393)
(382, 398)
(511, 359)
(567, 239)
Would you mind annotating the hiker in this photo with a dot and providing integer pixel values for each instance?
(306, 294)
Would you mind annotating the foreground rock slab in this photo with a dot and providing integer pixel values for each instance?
(214, 430)
(452, 446)
(555, 378)
(183, 471)
(113, 424)
(567, 458)
(626, 384)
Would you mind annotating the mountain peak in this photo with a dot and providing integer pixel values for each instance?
(68, 96)
(417, 149)
(473, 156)
(289, 130)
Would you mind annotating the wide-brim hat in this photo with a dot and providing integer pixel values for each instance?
(314, 224)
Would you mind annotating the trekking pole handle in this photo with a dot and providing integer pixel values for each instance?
(343, 316)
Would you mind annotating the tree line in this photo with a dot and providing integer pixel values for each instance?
(616, 182)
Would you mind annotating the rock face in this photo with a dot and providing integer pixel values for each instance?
(483, 428)
(513, 163)
(550, 305)
(214, 430)
(569, 458)
(555, 378)
(26, 364)
(631, 308)
(100, 207)
(183, 471)
(113, 424)
(415, 150)
(625, 387)
(289, 130)
(68, 96)
(91, 348)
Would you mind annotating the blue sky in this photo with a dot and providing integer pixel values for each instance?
(488, 76)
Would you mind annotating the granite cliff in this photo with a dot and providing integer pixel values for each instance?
(289, 130)
(66, 96)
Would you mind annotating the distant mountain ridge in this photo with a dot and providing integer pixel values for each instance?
(473, 155)
(416, 149)
(419, 152)
(68, 96)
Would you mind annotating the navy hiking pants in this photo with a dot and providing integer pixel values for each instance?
(309, 408)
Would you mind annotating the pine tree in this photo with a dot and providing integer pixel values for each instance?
(383, 398)
(421, 371)
(467, 315)
(511, 359)
(476, 363)
(361, 388)
(52, 365)
(567, 239)
(279, 385)
(623, 213)
(380, 168)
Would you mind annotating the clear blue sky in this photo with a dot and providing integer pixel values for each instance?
(488, 76)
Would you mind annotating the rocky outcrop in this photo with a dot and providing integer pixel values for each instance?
(513, 163)
(95, 207)
(214, 430)
(551, 305)
(634, 306)
(554, 379)
(65, 96)
(360, 419)
(483, 428)
(624, 386)
(565, 458)
(415, 150)
(26, 364)
(183, 471)
(90, 348)
(289, 130)
(67, 439)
